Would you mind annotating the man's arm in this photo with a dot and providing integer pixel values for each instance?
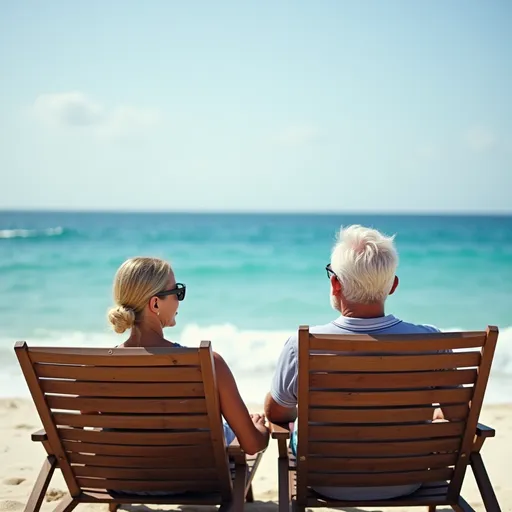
(277, 413)
(281, 402)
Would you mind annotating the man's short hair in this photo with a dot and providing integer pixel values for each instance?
(365, 262)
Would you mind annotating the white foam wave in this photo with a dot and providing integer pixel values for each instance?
(251, 355)
(31, 233)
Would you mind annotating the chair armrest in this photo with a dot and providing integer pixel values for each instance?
(484, 431)
(279, 431)
(40, 436)
(236, 453)
(234, 448)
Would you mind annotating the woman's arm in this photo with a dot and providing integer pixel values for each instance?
(250, 430)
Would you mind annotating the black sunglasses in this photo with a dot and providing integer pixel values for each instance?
(179, 291)
(330, 271)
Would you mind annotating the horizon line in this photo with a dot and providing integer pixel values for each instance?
(432, 213)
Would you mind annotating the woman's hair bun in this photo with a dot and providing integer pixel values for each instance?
(121, 318)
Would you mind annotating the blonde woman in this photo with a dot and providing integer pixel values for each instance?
(147, 298)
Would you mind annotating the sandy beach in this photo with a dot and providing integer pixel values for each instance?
(21, 460)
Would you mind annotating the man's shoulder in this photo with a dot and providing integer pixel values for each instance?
(329, 328)
(410, 328)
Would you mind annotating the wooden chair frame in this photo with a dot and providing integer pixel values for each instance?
(231, 483)
(294, 488)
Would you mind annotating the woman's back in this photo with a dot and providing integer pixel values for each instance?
(147, 299)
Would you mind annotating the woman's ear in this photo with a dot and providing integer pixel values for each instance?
(153, 304)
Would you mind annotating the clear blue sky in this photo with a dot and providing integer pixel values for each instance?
(217, 105)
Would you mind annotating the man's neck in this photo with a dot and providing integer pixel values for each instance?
(362, 310)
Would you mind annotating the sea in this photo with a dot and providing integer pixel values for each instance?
(251, 279)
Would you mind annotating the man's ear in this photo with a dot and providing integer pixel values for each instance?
(335, 286)
(395, 285)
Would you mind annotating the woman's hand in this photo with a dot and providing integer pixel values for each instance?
(260, 422)
(258, 418)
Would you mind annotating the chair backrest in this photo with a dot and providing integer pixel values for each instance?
(366, 403)
(131, 419)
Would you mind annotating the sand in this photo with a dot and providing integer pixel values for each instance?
(21, 459)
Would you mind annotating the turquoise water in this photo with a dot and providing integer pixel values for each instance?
(251, 279)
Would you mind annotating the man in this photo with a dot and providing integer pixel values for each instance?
(362, 273)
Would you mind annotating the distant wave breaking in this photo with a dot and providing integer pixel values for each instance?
(31, 233)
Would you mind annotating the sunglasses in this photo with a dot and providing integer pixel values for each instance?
(179, 291)
(330, 271)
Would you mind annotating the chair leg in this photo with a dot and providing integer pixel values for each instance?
(249, 497)
(112, 507)
(67, 504)
(484, 483)
(284, 484)
(462, 506)
(239, 487)
(43, 480)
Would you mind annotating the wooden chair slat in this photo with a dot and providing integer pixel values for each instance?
(425, 343)
(123, 461)
(173, 452)
(122, 473)
(376, 398)
(128, 405)
(385, 432)
(378, 479)
(153, 422)
(116, 389)
(143, 437)
(196, 498)
(399, 363)
(384, 415)
(116, 356)
(376, 449)
(406, 380)
(148, 485)
(120, 374)
(358, 465)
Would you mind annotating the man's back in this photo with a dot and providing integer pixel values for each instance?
(284, 388)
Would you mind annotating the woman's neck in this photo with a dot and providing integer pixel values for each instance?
(143, 336)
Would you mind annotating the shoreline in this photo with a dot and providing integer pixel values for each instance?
(21, 460)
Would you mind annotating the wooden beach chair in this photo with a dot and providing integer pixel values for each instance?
(123, 422)
(364, 418)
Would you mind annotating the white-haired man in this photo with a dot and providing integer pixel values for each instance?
(362, 273)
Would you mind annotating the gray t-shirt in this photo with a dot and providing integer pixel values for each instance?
(284, 388)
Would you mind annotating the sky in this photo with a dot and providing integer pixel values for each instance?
(391, 106)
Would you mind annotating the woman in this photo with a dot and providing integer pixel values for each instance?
(147, 299)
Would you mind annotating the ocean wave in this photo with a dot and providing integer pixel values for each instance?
(251, 355)
(31, 233)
